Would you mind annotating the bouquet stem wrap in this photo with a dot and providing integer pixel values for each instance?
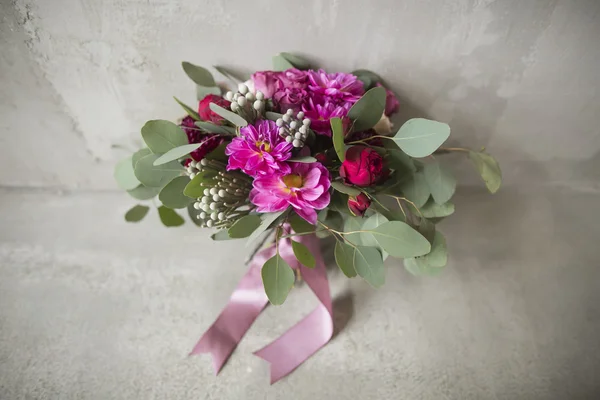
(248, 300)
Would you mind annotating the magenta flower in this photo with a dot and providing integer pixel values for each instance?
(209, 141)
(259, 150)
(293, 78)
(305, 187)
(320, 114)
(337, 85)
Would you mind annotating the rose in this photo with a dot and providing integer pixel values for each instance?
(290, 98)
(266, 82)
(363, 166)
(206, 114)
(391, 101)
(293, 78)
(358, 205)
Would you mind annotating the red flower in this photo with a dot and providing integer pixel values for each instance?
(363, 166)
(206, 113)
(358, 205)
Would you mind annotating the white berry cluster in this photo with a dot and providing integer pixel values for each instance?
(294, 129)
(248, 105)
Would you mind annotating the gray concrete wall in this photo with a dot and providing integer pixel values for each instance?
(80, 76)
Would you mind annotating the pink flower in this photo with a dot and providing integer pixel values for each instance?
(290, 97)
(338, 85)
(293, 78)
(206, 114)
(320, 114)
(305, 187)
(358, 205)
(259, 150)
(391, 101)
(266, 82)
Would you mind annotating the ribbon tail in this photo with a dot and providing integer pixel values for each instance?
(246, 303)
(305, 338)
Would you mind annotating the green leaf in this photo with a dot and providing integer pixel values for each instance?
(125, 175)
(349, 190)
(137, 156)
(143, 193)
(244, 226)
(273, 116)
(221, 235)
(419, 267)
(228, 115)
(212, 128)
(169, 217)
(441, 182)
(353, 224)
(400, 240)
(136, 213)
(344, 258)
(339, 203)
(432, 263)
(156, 176)
(267, 219)
(280, 63)
(278, 279)
(416, 189)
(161, 136)
(296, 61)
(419, 137)
(203, 91)
(399, 161)
(370, 224)
(303, 254)
(367, 111)
(218, 153)
(194, 214)
(426, 228)
(172, 194)
(369, 264)
(228, 74)
(201, 76)
(338, 138)
(176, 153)
(488, 168)
(433, 210)
(305, 160)
(300, 225)
(191, 112)
(202, 180)
(368, 78)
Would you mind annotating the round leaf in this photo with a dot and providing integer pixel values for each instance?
(278, 279)
(161, 136)
(201, 76)
(441, 182)
(221, 235)
(419, 267)
(300, 225)
(195, 187)
(489, 170)
(172, 194)
(367, 111)
(400, 240)
(136, 213)
(419, 137)
(344, 258)
(371, 223)
(169, 217)
(434, 210)
(244, 226)
(143, 193)
(156, 176)
(303, 254)
(125, 175)
(369, 265)
(416, 189)
(137, 156)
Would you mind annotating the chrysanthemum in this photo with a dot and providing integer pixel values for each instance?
(305, 187)
(320, 114)
(339, 85)
(259, 150)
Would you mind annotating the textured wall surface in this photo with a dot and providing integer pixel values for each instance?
(93, 308)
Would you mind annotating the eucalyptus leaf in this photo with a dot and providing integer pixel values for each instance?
(416, 189)
(353, 224)
(399, 161)
(440, 180)
(370, 224)
(305, 159)
(221, 235)
(368, 78)
(419, 267)
(273, 116)
(267, 219)
(201, 76)
(229, 75)
(172, 194)
(296, 61)
(300, 225)
(303, 254)
(400, 240)
(278, 279)
(161, 136)
(144, 193)
(195, 187)
(419, 137)
(194, 214)
(280, 63)
(426, 228)
(349, 190)
(488, 168)
(244, 226)
(228, 115)
(191, 112)
(169, 217)
(344, 258)
(176, 153)
(137, 156)
(433, 210)
(339, 203)
(156, 176)
(218, 153)
(125, 174)
(203, 91)
(212, 128)
(338, 137)
(368, 263)
(432, 263)
(367, 111)
(136, 213)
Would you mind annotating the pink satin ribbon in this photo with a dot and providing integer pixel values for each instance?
(292, 348)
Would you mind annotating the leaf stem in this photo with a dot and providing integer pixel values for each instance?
(398, 198)
(442, 150)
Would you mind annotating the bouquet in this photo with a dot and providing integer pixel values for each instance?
(296, 154)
